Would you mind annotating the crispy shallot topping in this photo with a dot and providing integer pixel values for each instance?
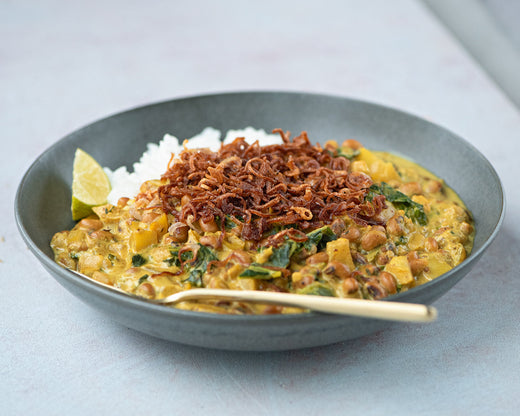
(261, 188)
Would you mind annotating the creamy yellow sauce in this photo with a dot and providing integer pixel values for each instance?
(133, 248)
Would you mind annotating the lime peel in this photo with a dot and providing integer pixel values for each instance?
(90, 185)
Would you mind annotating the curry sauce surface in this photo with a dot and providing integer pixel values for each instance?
(427, 231)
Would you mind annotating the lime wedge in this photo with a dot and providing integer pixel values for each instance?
(90, 185)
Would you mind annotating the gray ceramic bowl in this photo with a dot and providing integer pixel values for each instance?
(43, 202)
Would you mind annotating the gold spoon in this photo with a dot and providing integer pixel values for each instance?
(393, 311)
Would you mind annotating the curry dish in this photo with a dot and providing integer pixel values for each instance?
(331, 220)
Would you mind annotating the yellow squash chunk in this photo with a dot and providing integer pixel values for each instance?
(234, 242)
(164, 280)
(230, 244)
(423, 201)
(160, 225)
(383, 171)
(296, 277)
(339, 250)
(118, 249)
(140, 239)
(264, 255)
(76, 240)
(247, 283)
(360, 166)
(457, 252)
(380, 170)
(160, 254)
(416, 241)
(107, 213)
(400, 268)
(367, 156)
(436, 266)
(193, 237)
(89, 263)
(135, 226)
(234, 271)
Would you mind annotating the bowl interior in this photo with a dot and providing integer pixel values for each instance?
(43, 205)
(43, 199)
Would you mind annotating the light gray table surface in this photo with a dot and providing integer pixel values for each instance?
(66, 64)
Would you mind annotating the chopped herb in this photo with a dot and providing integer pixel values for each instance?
(111, 257)
(217, 220)
(186, 256)
(319, 238)
(200, 265)
(174, 259)
(347, 152)
(402, 240)
(282, 255)
(317, 289)
(73, 255)
(258, 272)
(397, 170)
(138, 260)
(280, 258)
(142, 279)
(229, 223)
(412, 209)
(277, 228)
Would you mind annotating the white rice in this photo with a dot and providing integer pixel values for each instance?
(154, 161)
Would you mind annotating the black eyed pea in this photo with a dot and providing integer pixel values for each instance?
(350, 285)
(321, 257)
(372, 239)
(340, 270)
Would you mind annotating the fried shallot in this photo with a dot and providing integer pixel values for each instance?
(264, 188)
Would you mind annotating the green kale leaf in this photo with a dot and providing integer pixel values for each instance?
(347, 152)
(138, 260)
(282, 255)
(256, 271)
(412, 209)
(174, 259)
(317, 289)
(142, 279)
(319, 238)
(199, 266)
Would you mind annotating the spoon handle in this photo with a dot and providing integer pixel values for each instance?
(394, 311)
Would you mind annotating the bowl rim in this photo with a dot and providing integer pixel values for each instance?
(92, 286)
